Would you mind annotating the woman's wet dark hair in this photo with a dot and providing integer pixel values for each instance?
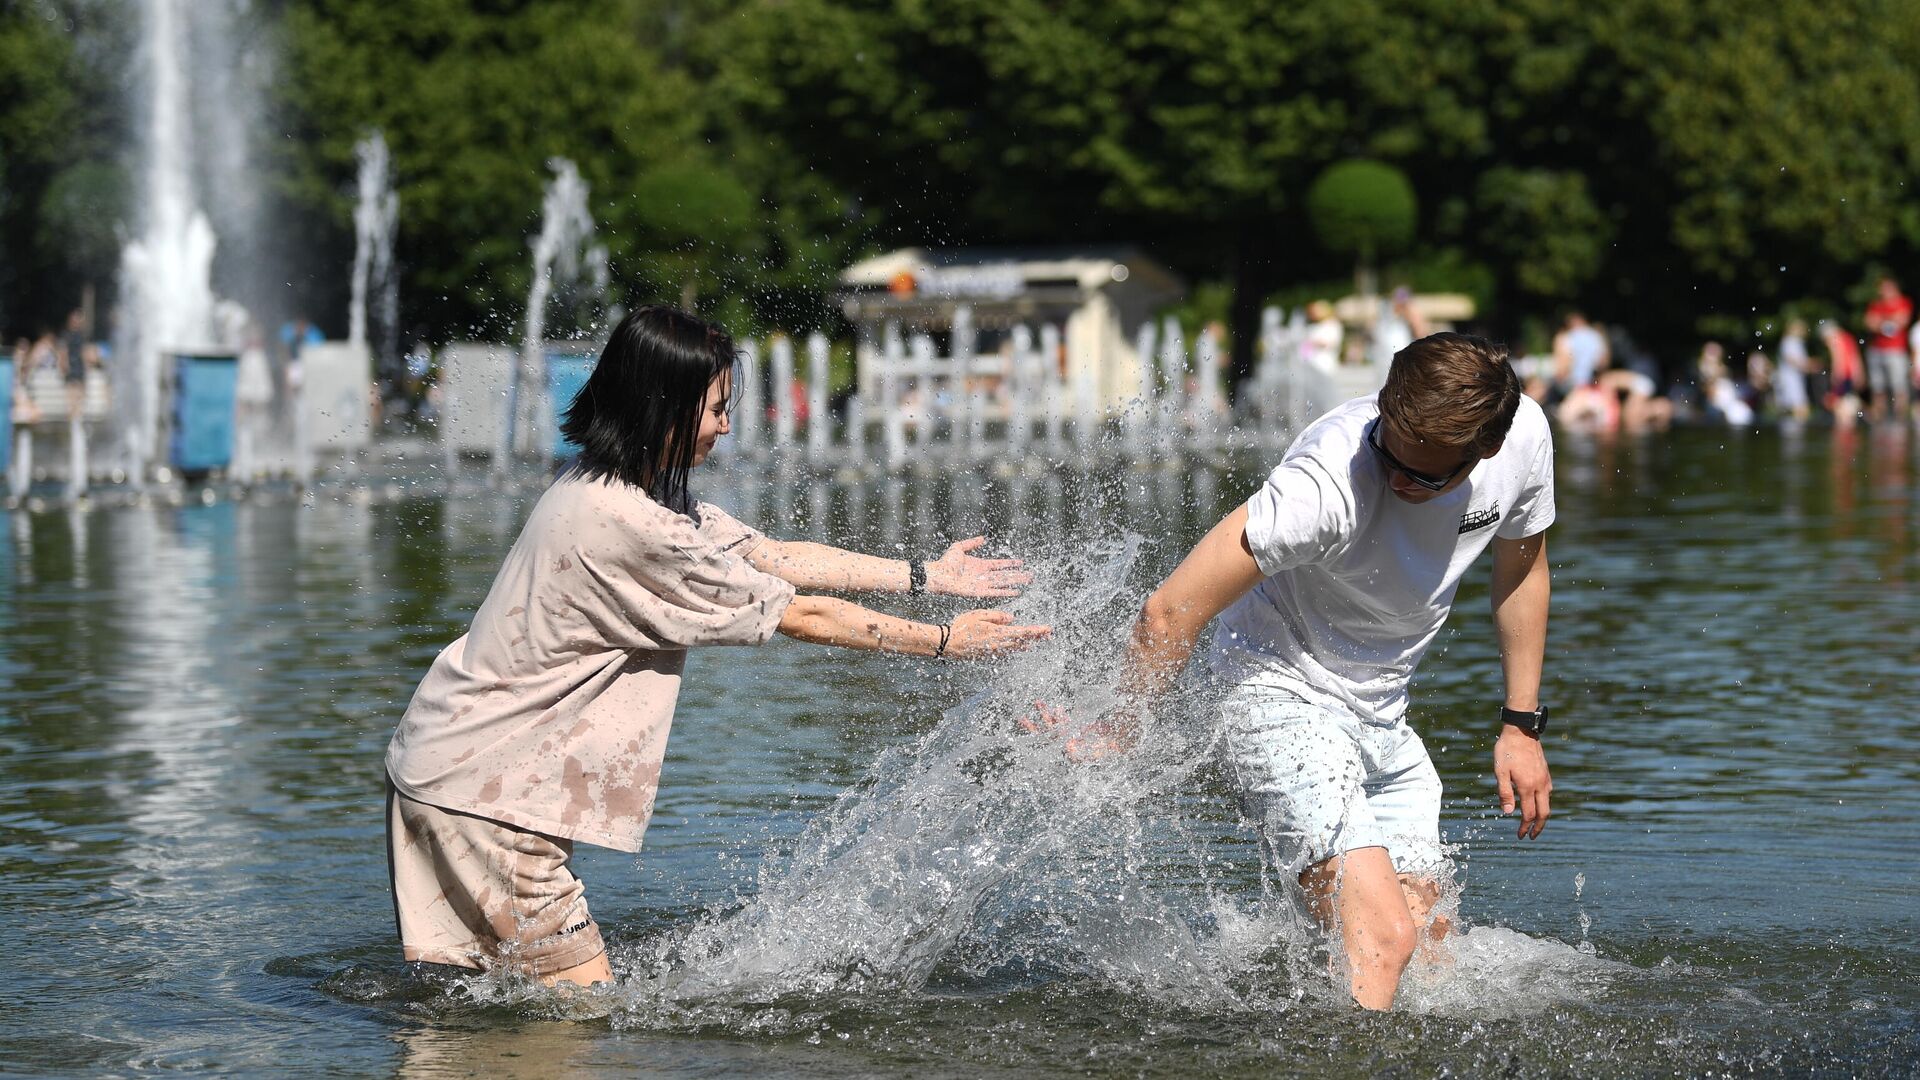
(636, 418)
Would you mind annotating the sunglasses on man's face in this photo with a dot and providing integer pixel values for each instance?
(1425, 480)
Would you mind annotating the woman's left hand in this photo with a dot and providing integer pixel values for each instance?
(958, 573)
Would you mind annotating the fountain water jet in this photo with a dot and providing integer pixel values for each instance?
(747, 410)
(819, 424)
(780, 388)
(167, 272)
(561, 253)
(376, 217)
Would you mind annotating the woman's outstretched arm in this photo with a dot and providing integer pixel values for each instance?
(824, 620)
(956, 573)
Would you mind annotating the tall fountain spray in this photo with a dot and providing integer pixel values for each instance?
(376, 216)
(1086, 404)
(167, 270)
(1140, 412)
(960, 376)
(747, 409)
(921, 347)
(1056, 391)
(893, 422)
(1204, 409)
(564, 255)
(1022, 379)
(780, 386)
(1173, 390)
(819, 424)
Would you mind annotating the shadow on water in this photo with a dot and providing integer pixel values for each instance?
(861, 865)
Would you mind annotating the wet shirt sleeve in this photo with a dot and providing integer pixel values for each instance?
(667, 584)
(727, 532)
(1533, 512)
(1301, 515)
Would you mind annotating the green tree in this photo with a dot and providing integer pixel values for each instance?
(1193, 129)
(1657, 161)
(473, 100)
(43, 130)
(1543, 226)
(1364, 209)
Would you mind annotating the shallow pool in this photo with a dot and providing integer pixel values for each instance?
(858, 867)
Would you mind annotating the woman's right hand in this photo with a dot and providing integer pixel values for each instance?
(983, 632)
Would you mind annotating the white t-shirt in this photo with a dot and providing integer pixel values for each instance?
(1585, 345)
(1358, 581)
(1790, 378)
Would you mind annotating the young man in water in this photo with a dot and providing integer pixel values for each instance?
(1333, 580)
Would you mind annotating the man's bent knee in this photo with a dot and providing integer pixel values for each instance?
(1393, 939)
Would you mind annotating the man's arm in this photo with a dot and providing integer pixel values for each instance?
(819, 566)
(1521, 587)
(1219, 570)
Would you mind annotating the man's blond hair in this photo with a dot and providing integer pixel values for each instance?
(1453, 390)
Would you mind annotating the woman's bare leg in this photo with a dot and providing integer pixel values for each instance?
(596, 970)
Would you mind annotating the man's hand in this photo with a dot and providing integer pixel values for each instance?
(958, 573)
(1096, 742)
(1521, 767)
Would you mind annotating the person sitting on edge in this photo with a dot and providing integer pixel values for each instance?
(546, 723)
(1334, 579)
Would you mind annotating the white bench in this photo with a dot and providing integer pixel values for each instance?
(47, 390)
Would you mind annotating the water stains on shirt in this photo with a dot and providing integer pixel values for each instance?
(603, 653)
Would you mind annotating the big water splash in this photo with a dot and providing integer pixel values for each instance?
(980, 856)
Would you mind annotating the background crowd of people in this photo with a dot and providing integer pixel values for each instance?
(1596, 377)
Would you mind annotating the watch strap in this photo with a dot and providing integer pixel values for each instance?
(1533, 723)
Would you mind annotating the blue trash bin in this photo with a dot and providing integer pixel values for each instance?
(6, 414)
(567, 372)
(203, 399)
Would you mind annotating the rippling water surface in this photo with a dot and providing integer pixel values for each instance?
(857, 867)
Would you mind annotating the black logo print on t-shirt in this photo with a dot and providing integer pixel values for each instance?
(1478, 519)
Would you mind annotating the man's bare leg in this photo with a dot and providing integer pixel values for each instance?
(1360, 893)
(596, 970)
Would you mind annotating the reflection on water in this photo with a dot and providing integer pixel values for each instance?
(193, 700)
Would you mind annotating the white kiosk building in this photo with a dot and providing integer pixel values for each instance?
(1097, 298)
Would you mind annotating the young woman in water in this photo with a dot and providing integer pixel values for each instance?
(545, 724)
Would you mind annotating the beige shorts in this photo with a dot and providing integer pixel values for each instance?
(475, 893)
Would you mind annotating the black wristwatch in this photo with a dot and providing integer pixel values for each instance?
(1533, 723)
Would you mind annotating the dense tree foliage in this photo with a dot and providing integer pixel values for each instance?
(61, 192)
(1678, 164)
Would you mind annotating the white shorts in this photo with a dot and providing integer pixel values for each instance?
(1319, 782)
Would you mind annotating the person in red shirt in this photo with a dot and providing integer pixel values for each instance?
(1843, 376)
(1887, 320)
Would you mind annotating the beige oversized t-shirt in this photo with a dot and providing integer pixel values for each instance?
(551, 713)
